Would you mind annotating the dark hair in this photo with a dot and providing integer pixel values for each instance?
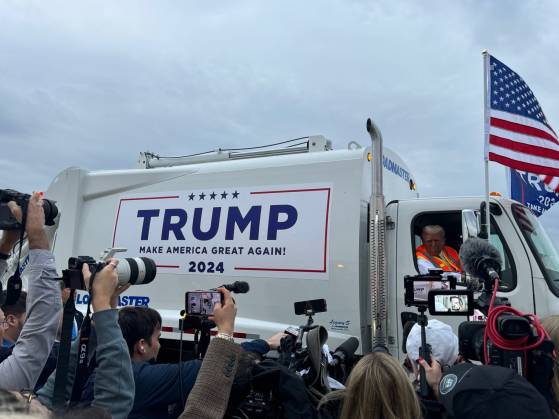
(138, 323)
(16, 308)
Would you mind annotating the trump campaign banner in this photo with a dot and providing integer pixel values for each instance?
(279, 231)
(530, 190)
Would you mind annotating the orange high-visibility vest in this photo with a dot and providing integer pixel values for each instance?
(448, 260)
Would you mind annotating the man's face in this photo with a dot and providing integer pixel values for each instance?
(3, 325)
(433, 242)
(15, 325)
(153, 346)
(455, 304)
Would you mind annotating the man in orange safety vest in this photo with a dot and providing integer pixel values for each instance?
(434, 254)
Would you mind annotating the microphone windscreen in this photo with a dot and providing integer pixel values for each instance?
(474, 249)
(241, 287)
(348, 347)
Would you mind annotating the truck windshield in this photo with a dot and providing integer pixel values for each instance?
(539, 242)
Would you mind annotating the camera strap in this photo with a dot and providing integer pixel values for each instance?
(13, 289)
(62, 362)
(82, 367)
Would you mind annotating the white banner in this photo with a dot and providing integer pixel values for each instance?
(279, 231)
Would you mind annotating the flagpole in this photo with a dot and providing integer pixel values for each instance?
(486, 228)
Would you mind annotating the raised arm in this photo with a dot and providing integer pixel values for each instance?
(22, 369)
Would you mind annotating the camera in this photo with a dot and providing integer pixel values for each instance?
(451, 302)
(135, 271)
(201, 303)
(417, 287)
(8, 221)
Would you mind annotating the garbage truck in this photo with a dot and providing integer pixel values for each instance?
(297, 221)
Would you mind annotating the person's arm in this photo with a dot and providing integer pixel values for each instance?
(114, 382)
(210, 394)
(22, 369)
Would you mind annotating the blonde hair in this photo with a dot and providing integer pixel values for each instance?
(433, 229)
(378, 388)
(551, 326)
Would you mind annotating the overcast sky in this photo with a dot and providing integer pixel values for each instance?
(92, 84)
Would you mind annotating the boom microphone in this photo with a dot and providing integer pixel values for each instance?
(238, 287)
(480, 259)
(345, 351)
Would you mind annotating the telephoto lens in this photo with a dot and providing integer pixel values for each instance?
(136, 271)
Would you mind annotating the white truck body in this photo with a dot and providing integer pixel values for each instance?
(312, 217)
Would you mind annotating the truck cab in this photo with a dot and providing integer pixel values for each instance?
(530, 269)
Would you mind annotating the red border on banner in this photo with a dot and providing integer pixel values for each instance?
(319, 270)
(140, 199)
(323, 270)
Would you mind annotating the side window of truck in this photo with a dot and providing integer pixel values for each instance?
(451, 223)
(508, 270)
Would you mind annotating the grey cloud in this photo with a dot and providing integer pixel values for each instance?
(92, 85)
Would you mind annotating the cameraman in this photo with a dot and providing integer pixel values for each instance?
(21, 369)
(161, 388)
(210, 394)
(441, 338)
(485, 392)
(114, 385)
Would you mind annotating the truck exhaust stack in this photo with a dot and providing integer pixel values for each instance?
(377, 260)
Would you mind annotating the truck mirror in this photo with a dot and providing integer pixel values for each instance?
(470, 224)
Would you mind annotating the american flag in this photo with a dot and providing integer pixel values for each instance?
(519, 135)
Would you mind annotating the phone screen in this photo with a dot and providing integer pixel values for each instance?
(201, 303)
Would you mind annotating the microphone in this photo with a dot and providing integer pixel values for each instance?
(480, 259)
(345, 351)
(238, 287)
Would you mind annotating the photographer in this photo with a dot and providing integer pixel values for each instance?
(114, 385)
(210, 394)
(441, 338)
(485, 392)
(160, 389)
(21, 369)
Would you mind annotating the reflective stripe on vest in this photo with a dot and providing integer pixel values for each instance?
(449, 260)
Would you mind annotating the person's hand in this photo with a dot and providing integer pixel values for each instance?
(433, 373)
(118, 291)
(224, 314)
(274, 341)
(104, 286)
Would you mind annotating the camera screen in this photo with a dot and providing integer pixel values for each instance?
(201, 303)
(451, 303)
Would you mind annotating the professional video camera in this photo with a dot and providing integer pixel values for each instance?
(7, 220)
(508, 338)
(136, 271)
(301, 366)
